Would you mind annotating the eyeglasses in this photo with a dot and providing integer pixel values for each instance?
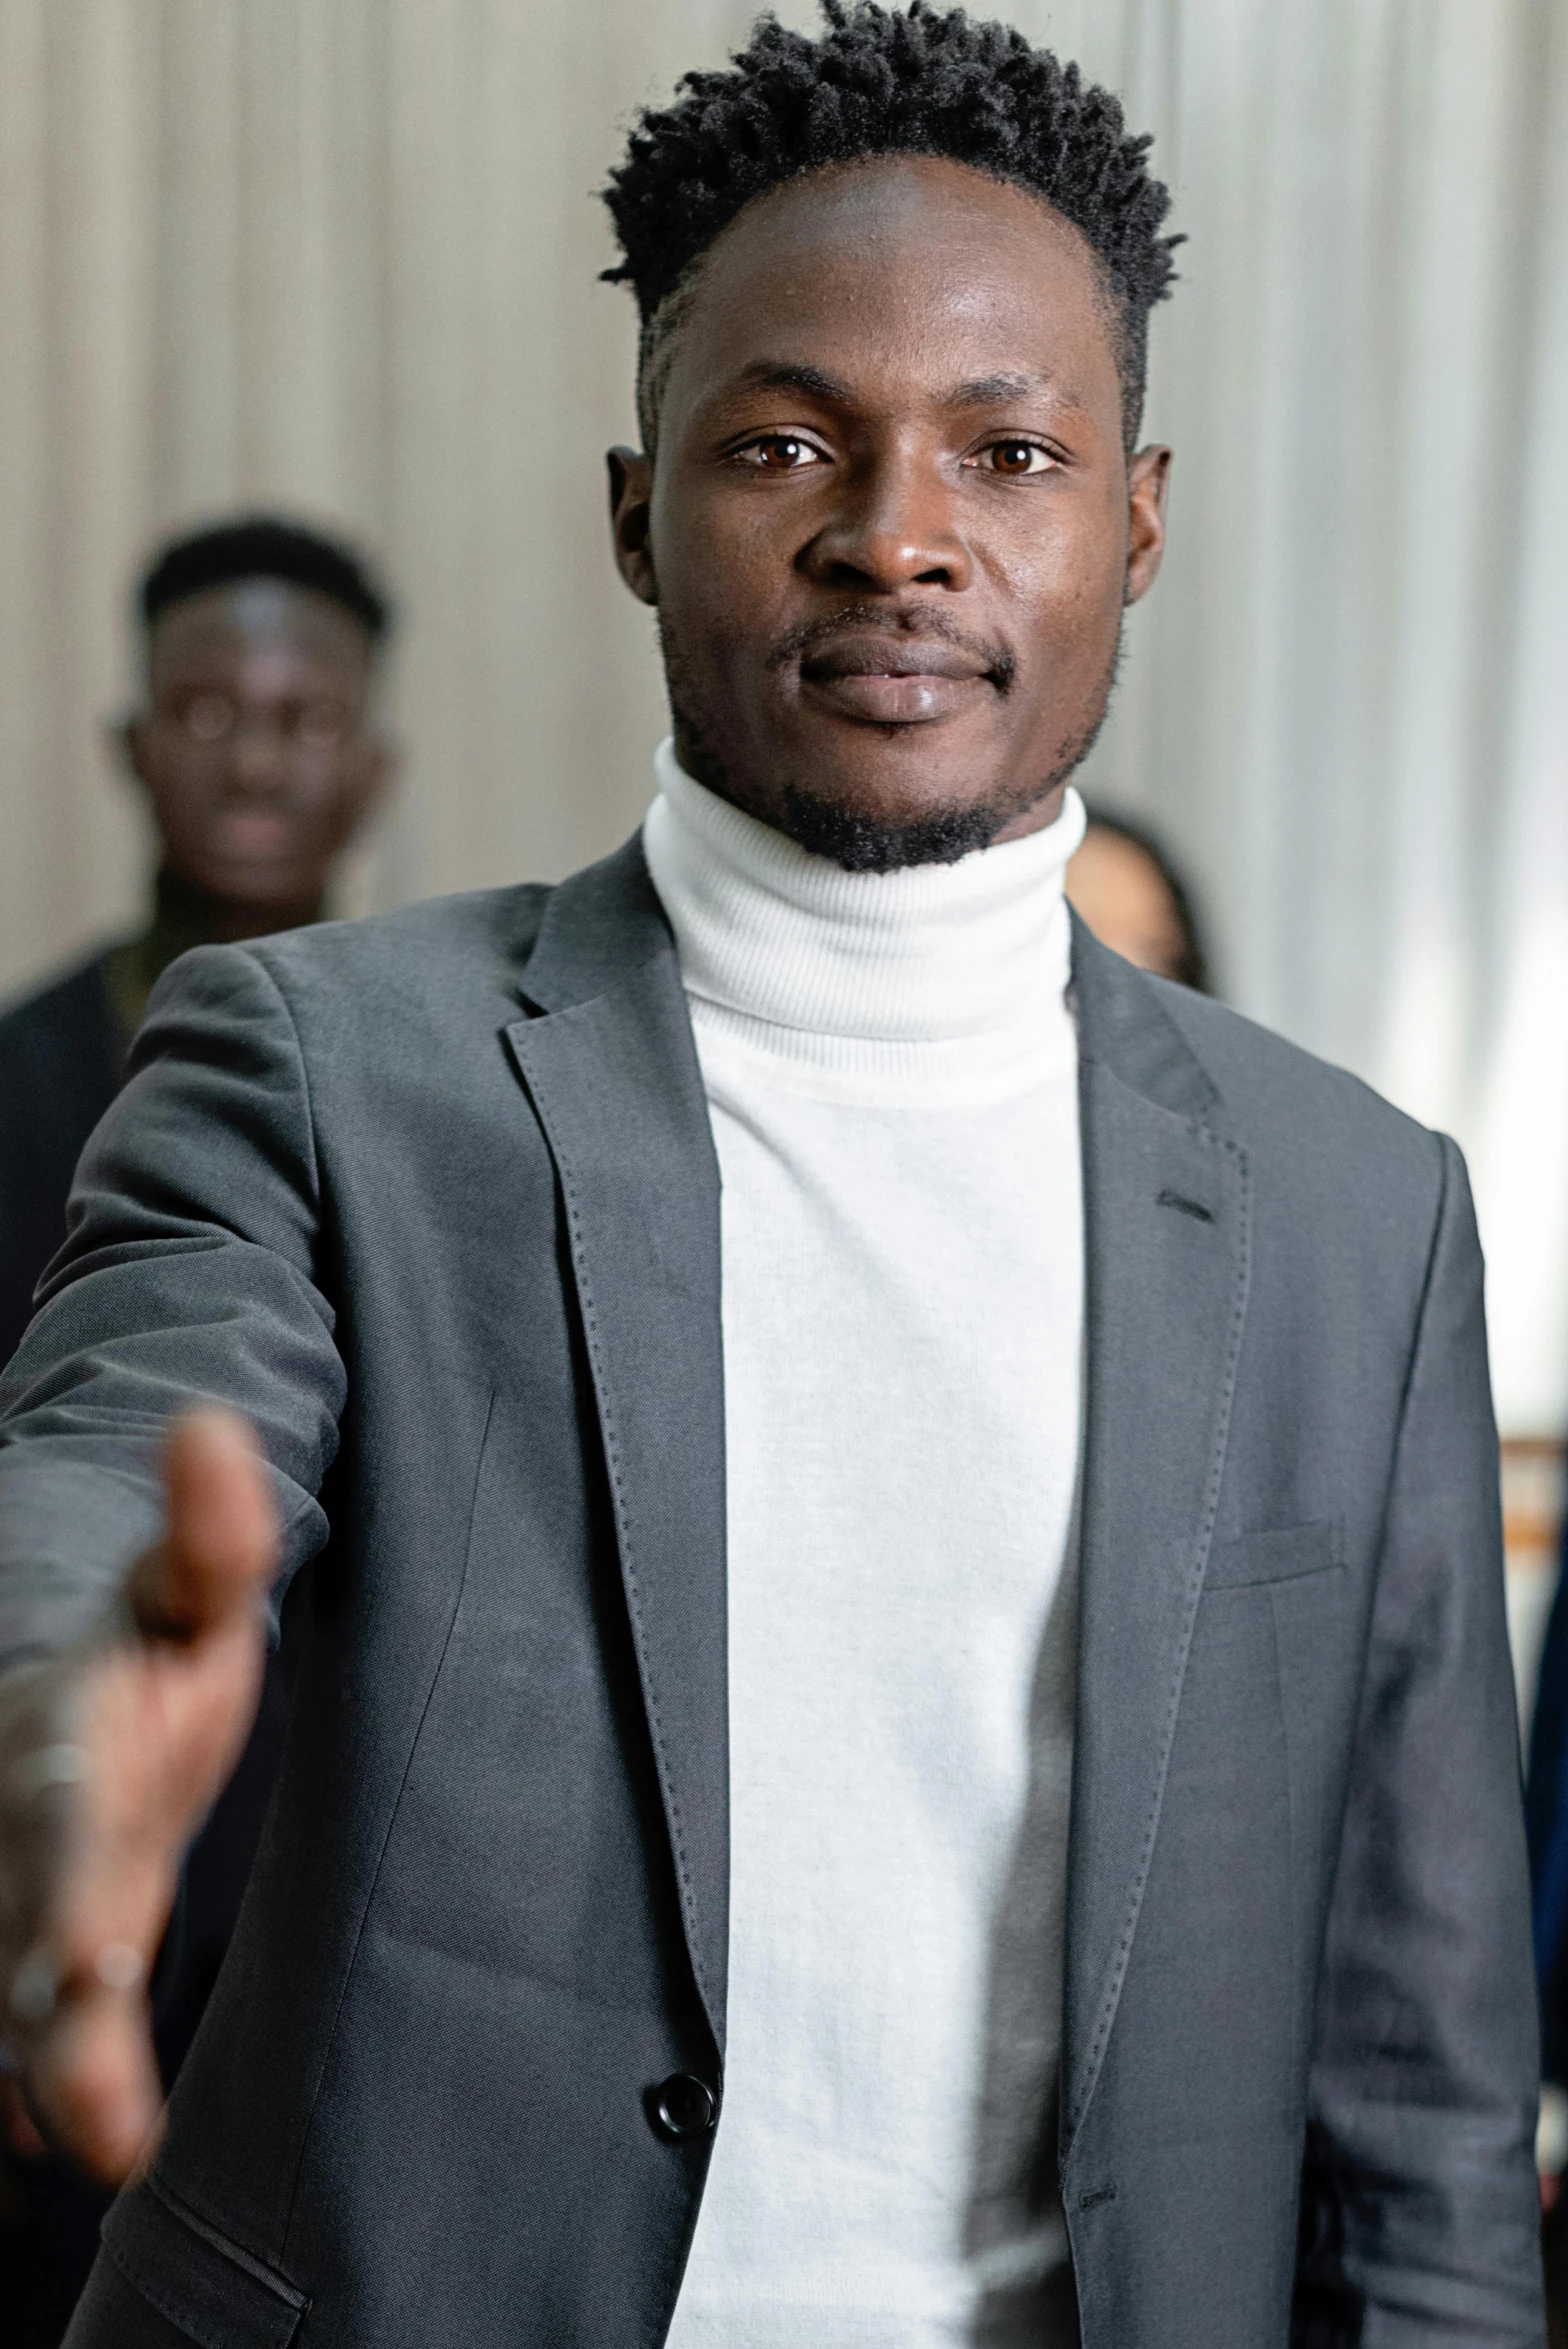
(213, 719)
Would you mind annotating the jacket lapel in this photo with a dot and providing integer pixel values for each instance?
(610, 1067)
(609, 1064)
(1166, 1243)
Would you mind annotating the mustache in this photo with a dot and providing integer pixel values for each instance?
(926, 623)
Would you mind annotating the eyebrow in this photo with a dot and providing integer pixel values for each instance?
(977, 391)
(787, 375)
(986, 391)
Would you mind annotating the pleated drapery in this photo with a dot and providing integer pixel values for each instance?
(341, 255)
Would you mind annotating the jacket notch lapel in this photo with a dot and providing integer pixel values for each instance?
(611, 1070)
(1167, 1239)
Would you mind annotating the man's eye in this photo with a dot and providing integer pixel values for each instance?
(1016, 458)
(779, 452)
(208, 717)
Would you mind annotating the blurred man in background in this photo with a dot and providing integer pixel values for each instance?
(1132, 897)
(260, 753)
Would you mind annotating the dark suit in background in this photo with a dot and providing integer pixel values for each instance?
(1546, 1819)
(1546, 1812)
(62, 1061)
(433, 1199)
(61, 1055)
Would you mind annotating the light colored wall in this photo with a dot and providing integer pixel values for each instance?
(341, 255)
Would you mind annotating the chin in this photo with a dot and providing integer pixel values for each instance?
(919, 796)
(873, 799)
(874, 839)
(265, 892)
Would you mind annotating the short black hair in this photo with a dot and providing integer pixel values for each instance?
(1193, 963)
(888, 81)
(264, 546)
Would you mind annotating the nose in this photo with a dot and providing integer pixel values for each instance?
(257, 751)
(893, 527)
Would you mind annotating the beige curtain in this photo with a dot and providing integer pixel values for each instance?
(341, 255)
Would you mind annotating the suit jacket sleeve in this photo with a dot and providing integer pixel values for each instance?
(1424, 2078)
(189, 1273)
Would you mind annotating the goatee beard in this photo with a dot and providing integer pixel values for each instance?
(861, 843)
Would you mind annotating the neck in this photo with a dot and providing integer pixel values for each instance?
(194, 916)
(185, 916)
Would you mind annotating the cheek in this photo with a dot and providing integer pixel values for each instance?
(1067, 544)
(181, 796)
(335, 808)
(718, 556)
(318, 781)
(1063, 584)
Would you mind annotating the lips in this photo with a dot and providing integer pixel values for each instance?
(253, 836)
(895, 681)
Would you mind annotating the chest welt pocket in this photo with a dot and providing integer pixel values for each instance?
(207, 2287)
(1288, 1553)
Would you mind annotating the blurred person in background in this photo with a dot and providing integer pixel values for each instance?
(1129, 892)
(258, 746)
(259, 752)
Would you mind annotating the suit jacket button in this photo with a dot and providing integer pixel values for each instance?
(683, 2106)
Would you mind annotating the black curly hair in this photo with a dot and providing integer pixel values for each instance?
(884, 81)
(264, 546)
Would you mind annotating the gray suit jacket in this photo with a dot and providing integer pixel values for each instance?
(433, 1198)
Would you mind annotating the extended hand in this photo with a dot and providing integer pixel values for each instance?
(109, 1757)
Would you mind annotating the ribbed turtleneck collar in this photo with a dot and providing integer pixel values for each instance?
(939, 976)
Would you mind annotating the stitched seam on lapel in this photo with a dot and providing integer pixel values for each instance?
(612, 1462)
(1118, 1972)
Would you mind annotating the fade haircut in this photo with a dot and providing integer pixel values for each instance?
(879, 81)
(264, 546)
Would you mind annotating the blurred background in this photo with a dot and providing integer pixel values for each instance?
(340, 257)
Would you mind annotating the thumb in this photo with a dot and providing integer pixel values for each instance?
(221, 1547)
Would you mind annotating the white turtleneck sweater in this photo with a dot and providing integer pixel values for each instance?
(891, 1071)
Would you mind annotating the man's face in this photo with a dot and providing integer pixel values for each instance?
(891, 527)
(257, 749)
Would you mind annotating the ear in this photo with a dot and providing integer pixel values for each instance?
(1148, 477)
(631, 504)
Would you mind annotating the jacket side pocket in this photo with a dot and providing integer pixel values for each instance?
(217, 2294)
(1286, 1554)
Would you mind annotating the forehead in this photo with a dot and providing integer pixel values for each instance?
(900, 269)
(222, 629)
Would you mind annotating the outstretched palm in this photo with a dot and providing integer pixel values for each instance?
(109, 1757)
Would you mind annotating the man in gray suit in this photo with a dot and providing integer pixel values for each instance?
(901, 1728)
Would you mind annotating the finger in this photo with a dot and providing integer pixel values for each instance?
(159, 1728)
(21, 2130)
(95, 2082)
(221, 1548)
